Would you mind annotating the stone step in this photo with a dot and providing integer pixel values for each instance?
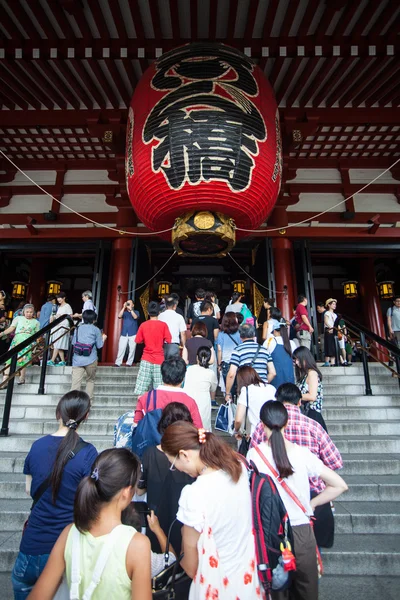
(361, 414)
(362, 428)
(377, 401)
(368, 464)
(364, 444)
(363, 554)
(367, 587)
(361, 489)
(119, 389)
(390, 388)
(350, 517)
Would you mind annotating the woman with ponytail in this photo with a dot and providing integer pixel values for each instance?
(295, 464)
(201, 384)
(217, 537)
(100, 557)
(54, 467)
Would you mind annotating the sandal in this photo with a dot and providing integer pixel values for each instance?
(21, 382)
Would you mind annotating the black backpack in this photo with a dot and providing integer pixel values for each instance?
(272, 528)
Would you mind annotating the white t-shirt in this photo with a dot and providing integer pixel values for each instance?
(176, 324)
(199, 383)
(258, 395)
(305, 465)
(216, 504)
(236, 307)
(271, 343)
(330, 317)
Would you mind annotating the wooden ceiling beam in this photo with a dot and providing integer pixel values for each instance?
(130, 71)
(80, 19)
(13, 83)
(32, 69)
(10, 26)
(251, 19)
(86, 78)
(345, 19)
(382, 78)
(381, 22)
(363, 20)
(269, 19)
(212, 28)
(118, 19)
(32, 87)
(138, 24)
(23, 19)
(333, 79)
(289, 18)
(62, 20)
(74, 83)
(193, 20)
(320, 77)
(118, 81)
(54, 77)
(384, 89)
(276, 69)
(101, 78)
(4, 101)
(288, 78)
(359, 82)
(391, 97)
(274, 45)
(155, 17)
(329, 12)
(302, 82)
(231, 18)
(45, 23)
(98, 18)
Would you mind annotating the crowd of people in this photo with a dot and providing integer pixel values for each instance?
(188, 476)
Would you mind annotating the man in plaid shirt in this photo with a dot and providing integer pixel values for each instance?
(303, 431)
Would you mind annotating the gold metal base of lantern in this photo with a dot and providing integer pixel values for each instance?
(203, 233)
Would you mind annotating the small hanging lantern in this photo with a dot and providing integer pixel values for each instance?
(53, 287)
(164, 288)
(19, 289)
(239, 286)
(386, 290)
(350, 289)
(10, 314)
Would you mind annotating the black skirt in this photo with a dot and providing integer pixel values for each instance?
(329, 344)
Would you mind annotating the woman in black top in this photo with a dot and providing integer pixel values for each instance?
(198, 339)
(163, 484)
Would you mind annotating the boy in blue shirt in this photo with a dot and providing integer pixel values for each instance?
(130, 324)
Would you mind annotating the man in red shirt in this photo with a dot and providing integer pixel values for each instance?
(305, 329)
(153, 334)
(173, 373)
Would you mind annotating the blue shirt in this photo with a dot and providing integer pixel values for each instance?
(129, 324)
(228, 343)
(87, 334)
(45, 313)
(244, 354)
(47, 520)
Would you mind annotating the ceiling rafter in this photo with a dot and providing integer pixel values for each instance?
(193, 20)
(9, 25)
(32, 87)
(288, 78)
(54, 77)
(118, 81)
(363, 20)
(308, 17)
(359, 82)
(323, 73)
(269, 19)
(212, 23)
(381, 21)
(301, 83)
(45, 23)
(276, 69)
(251, 19)
(386, 85)
(289, 18)
(174, 9)
(80, 19)
(390, 96)
(33, 71)
(14, 84)
(325, 21)
(345, 19)
(98, 72)
(62, 20)
(85, 77)
(118, 19)
(23, 18)
(65, 71)
(333, 79)
(233, 8)
(99, 19)
(155, 16)
(390, 68)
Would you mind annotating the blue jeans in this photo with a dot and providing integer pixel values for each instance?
(26, 572)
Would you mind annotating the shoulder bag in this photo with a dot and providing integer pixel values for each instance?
(172, 582)
(295, 499)
(81, 349)
(245, 441)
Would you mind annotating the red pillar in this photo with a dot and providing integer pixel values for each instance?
(370, 300)
(36, 293)
(283, 262)
(119, 276)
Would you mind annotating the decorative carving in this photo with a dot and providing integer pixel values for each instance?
(203, 234)
(144, 301)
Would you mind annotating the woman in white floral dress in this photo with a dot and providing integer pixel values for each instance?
(217, 537)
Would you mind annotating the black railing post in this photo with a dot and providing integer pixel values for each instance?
(397, 359)
(368, 389)
(44, 363)
(9, 393)
(337, 359)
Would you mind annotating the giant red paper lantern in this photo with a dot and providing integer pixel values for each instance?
(203, 135)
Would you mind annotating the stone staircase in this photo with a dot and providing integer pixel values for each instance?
(365, 560)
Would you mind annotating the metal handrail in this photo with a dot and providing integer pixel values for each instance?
(12, 355)
(392, 350)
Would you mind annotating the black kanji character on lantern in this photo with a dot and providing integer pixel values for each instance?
(205, 132)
